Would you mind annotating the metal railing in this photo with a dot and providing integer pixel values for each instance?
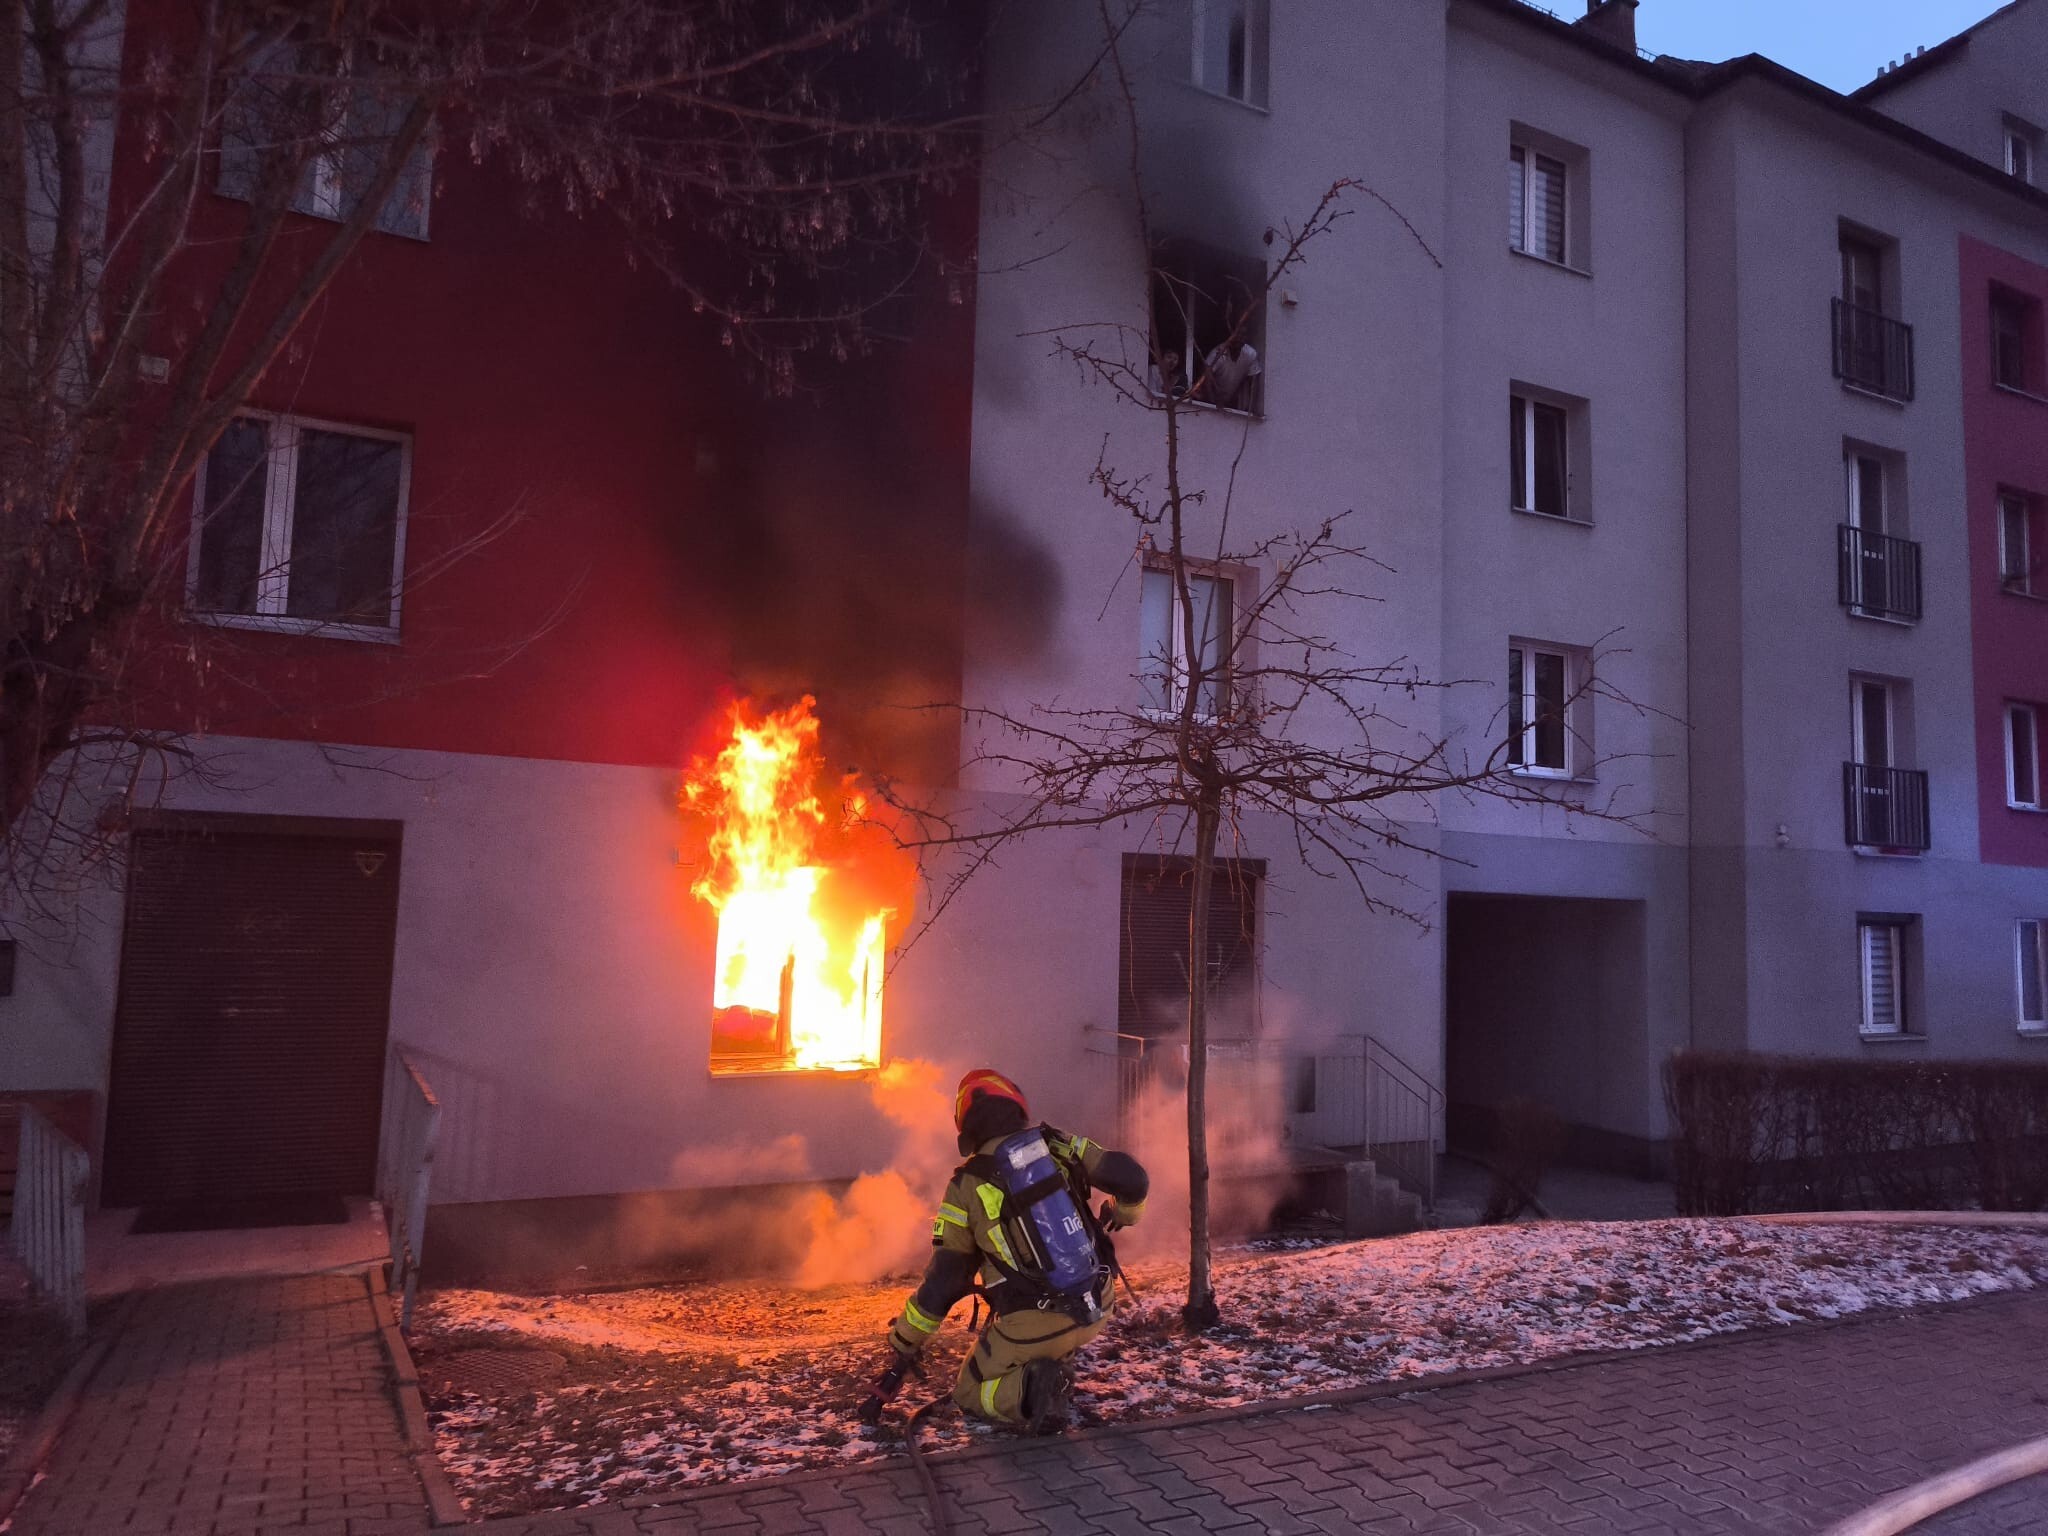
(1876, 574)
(47, 1232)
(1873, 351)
(1342, 1093)
(412, 1121)
(1402, 1110)
(1885, 808)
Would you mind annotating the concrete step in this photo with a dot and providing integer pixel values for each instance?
(1376, 1205)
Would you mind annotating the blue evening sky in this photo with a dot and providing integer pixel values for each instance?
(1840, 43)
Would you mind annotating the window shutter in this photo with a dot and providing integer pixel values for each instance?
(1153, 967)
(1518, 197)
(2031, 967)
(1549, 209)
(1881, 1010)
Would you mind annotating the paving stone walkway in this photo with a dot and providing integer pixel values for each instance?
(251, 1406)
(235, 1407)
(1776, 1432)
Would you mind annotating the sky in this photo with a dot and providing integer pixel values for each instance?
(1841, 43)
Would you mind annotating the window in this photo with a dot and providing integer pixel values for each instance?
(2022, 757)
(1230, 49)
(1871, 703)
(300, 525)
(2031, 958)
(1538, 456)
(1884, 805)
(351, 126)
(2022, 149)
(1882, 943)
(1536, 204)
(1163, 669)
(1540, 705)
(1862, 273)
(1209, 326)
(1873, 349)
(1879, 566)
(2016, 541)
(2012, 340)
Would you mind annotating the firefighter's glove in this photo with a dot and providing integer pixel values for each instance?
(886, 1387)
(1117, 1214)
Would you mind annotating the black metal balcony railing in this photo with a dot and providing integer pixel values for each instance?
(1885, 808)
(1877, 574)
(1873, 351)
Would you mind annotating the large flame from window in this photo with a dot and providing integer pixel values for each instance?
(804, 890)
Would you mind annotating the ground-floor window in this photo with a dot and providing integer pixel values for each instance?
(1881, 943)
(1152, 952)
(2031, 955)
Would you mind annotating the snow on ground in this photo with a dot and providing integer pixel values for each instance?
(673, 1386)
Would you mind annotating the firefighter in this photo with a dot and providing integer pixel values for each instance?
(1016, 1372)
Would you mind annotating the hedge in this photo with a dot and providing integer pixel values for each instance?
(1777, 1133)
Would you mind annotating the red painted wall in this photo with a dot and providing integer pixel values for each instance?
(678, 535)
(2005, 444)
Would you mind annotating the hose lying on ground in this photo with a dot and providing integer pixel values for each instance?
(1908, 1507)
(941, 1524)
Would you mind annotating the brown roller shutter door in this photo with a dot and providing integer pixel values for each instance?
(254, 1007)
(1158, 898)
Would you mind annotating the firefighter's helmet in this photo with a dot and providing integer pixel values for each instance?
(985, 1083)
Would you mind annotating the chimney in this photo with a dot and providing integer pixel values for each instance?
(1614, 20)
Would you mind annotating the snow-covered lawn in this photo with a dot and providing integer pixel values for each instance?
(673, 1386)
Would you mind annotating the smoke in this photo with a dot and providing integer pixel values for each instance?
(882, 1224)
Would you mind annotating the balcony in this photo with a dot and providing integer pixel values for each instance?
(1877, 576)
(1873, 352)
(1885, 808)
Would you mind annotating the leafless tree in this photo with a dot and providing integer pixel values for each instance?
(1260, 711)
(181, 181)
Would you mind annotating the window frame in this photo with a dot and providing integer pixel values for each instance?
(1176, 664)
(1523, 406)
(2026, 311)
(2022, 155)
(2038, 963)
(2016, 576)
(2022, 721)
(1524, 706)
(280, 496)
(1531, 161)
(1899, 926)
(1258, 50)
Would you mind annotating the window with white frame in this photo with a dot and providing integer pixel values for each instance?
(1209, 326)
(2022, 757)
(1539, 456)
(1881, 942)
(344, 128)
(1166, 666)
(2022, 149)
(2016, 541)
(2030, 945)
(300, 525)
(1537, 204)
(1545, 693)
(1231, 47)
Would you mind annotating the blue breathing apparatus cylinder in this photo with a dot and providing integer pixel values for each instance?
(1045, 1220)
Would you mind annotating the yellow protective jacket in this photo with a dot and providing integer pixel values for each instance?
(968, 1236)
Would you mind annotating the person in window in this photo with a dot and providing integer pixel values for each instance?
(1231, 373)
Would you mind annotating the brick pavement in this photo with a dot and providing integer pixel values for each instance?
(235, 1407)
(1776, 1432)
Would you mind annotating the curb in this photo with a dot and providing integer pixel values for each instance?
(1907, 1508)
(444, 1507)
(24, 1465)
(2023, 1221)
(1411, 1386)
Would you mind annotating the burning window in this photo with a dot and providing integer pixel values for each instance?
(805, 888)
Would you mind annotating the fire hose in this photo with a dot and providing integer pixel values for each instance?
(884, 1393)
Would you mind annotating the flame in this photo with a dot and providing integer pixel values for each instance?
(802, 932)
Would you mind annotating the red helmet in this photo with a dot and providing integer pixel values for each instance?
(985, 1083)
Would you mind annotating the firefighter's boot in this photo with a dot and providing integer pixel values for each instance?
(1048, 1388)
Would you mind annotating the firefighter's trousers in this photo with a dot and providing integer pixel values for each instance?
(992, 1377)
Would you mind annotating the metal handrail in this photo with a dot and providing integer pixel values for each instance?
(1402, 1109)
(1885, 808)
(1877, 574)
(1872, 350)
(47, 1229)
(414, 1117)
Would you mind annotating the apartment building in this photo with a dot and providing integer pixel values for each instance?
(1705, 469)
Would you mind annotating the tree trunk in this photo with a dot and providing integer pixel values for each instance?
(1201, 1311)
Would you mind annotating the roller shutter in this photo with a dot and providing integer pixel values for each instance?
(254, 1007)
(1158, 899)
